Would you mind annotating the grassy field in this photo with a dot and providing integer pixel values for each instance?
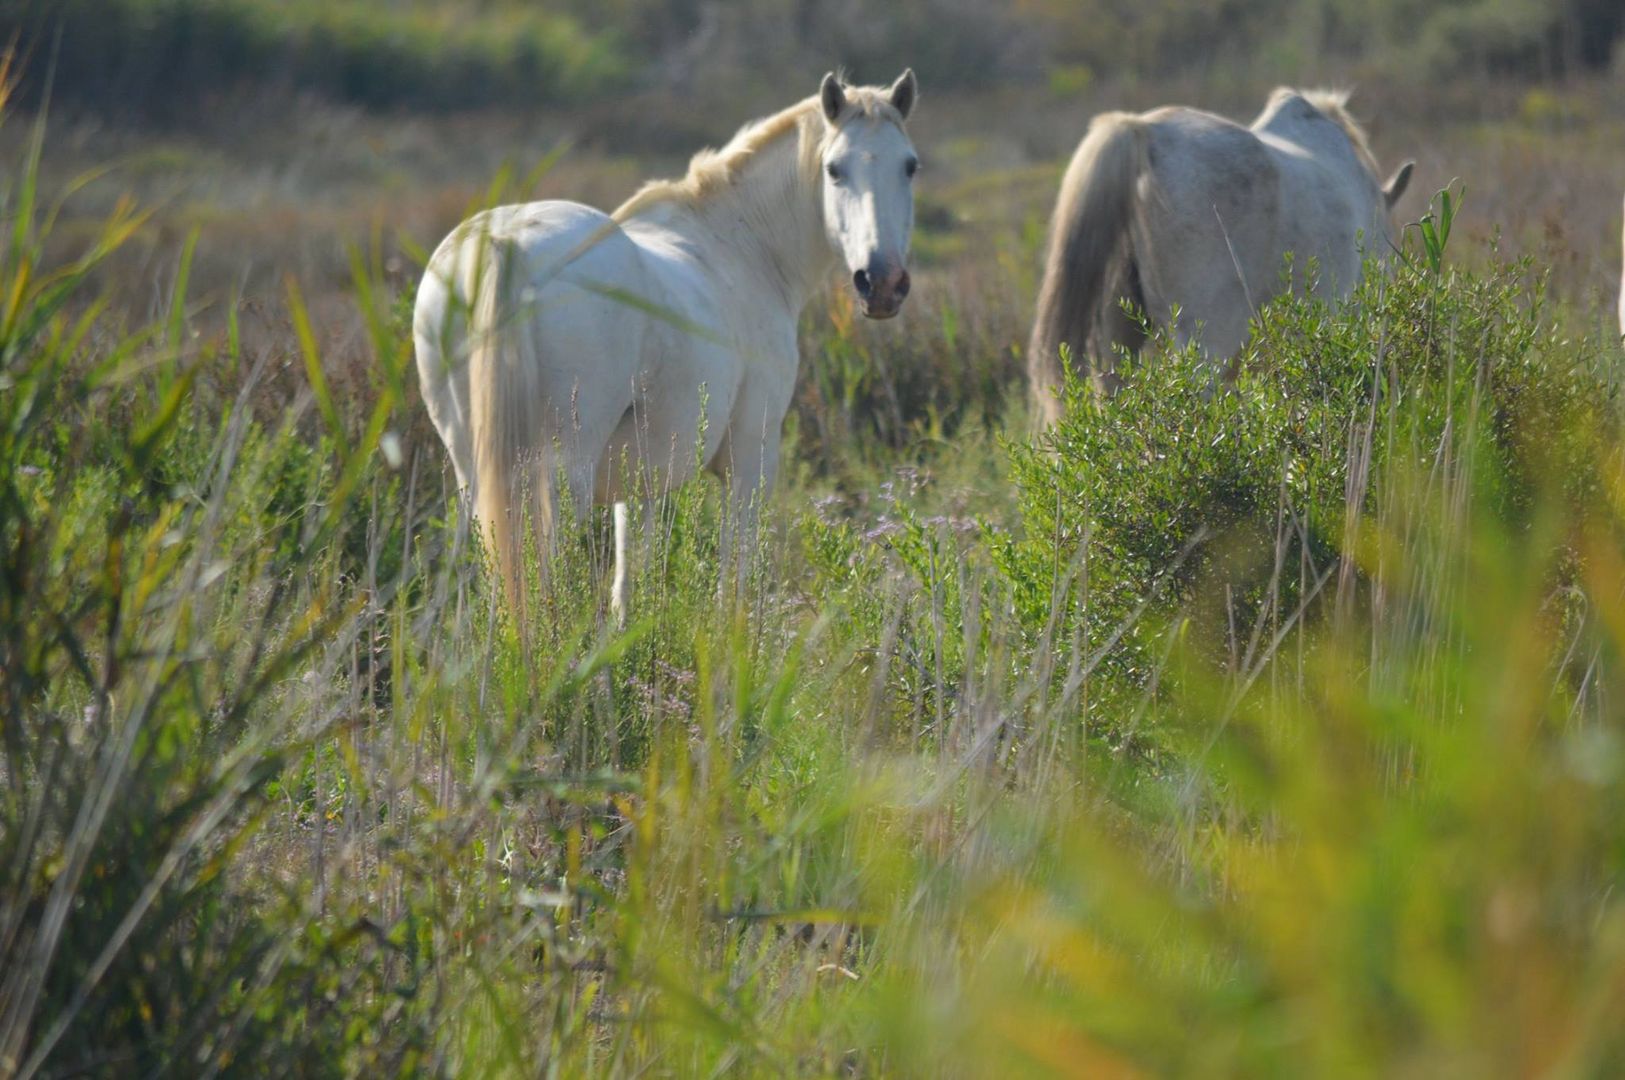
(1266, 732)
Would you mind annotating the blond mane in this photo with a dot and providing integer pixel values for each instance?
(1335, 105)
(713, 171)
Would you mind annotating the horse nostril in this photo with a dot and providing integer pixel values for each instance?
(861, 282)
(902, 285)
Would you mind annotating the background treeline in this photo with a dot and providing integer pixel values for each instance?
(163, 58)
(158, 58)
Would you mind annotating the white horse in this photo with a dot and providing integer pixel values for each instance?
(554, 340)
(1181, 207)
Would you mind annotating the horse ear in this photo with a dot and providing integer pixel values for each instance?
(832, 97)
(903, 92)
(1395, 187)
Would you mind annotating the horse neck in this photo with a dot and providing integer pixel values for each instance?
(767, 227)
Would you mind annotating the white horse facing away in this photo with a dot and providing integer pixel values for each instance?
(554, 340)
(1182, 207)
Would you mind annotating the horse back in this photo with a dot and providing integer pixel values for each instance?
(1206, 169)
(1211, 210)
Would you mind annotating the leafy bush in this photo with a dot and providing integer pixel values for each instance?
(1187, 483)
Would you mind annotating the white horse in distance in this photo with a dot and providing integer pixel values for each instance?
(1182, 207)
(554, 340)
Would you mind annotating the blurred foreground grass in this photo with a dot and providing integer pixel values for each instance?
(1270, 729)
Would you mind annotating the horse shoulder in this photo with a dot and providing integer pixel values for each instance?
(772, 345)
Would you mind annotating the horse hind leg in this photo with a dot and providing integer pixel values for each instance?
(543, 489)
(617, 592)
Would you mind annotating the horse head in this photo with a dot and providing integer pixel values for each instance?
(868, 167)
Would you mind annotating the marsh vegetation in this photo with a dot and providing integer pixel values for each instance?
(1267, 729)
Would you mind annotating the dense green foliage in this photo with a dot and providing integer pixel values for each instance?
(162, 558)
(1261, 479)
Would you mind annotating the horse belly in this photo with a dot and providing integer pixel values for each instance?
(643, 360)
(686, 381)
(587, 348)
(675, 421)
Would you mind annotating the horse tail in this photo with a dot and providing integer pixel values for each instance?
(1088, 249)
(504, 395)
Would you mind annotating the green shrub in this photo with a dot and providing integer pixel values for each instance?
(1247, 491)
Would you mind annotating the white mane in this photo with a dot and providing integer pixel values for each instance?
(714, 171)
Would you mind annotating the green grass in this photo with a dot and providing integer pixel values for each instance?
(1265, 728)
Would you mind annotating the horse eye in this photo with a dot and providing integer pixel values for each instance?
(912, 166)
(833, 170)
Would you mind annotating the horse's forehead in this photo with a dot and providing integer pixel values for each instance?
(868, 134)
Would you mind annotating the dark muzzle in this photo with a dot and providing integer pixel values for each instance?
(882, 287)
